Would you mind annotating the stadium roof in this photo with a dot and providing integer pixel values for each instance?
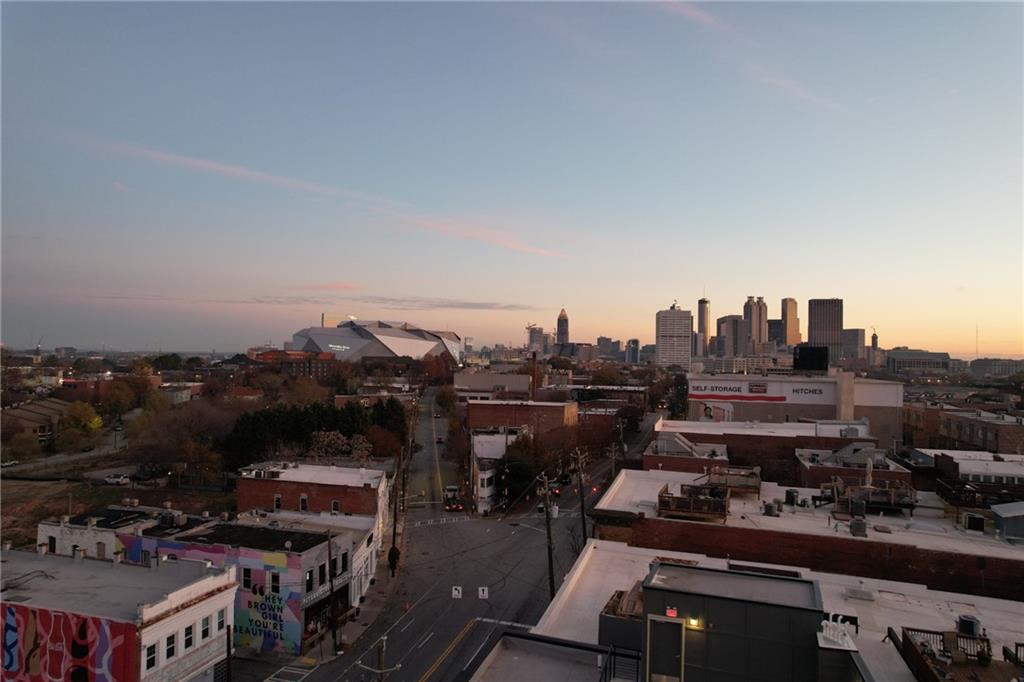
(355, 340)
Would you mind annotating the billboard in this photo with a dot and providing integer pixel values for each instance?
(764, 391)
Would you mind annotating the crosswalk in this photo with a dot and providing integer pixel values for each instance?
(290, 674)
(445, 520)
(441, 520)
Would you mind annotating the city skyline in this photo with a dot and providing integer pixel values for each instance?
(349, 160)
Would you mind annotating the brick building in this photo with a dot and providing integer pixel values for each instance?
(289, 486)
(854, 464)
(940, 425)
(317, 366)
(927, 548)
(540, 417)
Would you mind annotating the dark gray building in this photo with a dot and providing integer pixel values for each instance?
(825, 325)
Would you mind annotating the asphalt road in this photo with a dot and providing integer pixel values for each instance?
(431, 634)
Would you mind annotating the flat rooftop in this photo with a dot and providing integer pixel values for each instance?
(491, 445)
(604, 567)
(520, 403)
(969, 455)
(637, 491)
(257, 537)
(318, 473)
(829, 428)
(319, 523)
(91, 586)
(754, 587)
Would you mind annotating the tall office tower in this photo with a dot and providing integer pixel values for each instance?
(731, 336)
(703, 319)
(874, 340)
(604, 346)
(562, 329)
(790, 322)
(672, 331)
(633, 351)
(853, 344)
(755, 321)
(776, 332)
(535, 339)
(825, 325)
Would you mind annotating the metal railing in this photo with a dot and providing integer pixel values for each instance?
(621, 664)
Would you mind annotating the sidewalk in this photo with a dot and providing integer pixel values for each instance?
(376, 599)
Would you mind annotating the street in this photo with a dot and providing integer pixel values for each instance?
(431, 634)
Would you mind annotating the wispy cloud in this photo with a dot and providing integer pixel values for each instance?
(694, 13)
(383, 302)
(404, 215)
(118, 185)
(787, 85)
(330, 286)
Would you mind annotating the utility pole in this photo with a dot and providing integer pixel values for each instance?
(396, 492)
(332, 610)
(547, 524)
(380, 658)
(583, 498)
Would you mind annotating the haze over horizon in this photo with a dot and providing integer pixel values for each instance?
(218, 175)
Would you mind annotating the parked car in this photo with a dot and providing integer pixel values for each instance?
(9, 463)
(440, 439)
(117, 479)
(437, 415)
(88, 448)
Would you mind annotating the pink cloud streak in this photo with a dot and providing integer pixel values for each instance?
(390, 208)
(330, 286)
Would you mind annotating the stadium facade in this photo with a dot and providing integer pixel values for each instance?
(355, 340)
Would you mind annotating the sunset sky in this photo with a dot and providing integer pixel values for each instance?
(199, 176)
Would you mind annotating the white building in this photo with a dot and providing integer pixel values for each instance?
(673, 329)
(166, 622)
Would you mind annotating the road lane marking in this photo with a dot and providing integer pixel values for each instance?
(407, 625)
(475, 654)
(437, 462)
(448, 650)
(510, 623)
(425, 640)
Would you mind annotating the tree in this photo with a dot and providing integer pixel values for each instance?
(630, 416)
(24, 445)
(169, 361)
(361, 447)
(156, 401)
(446, 399)
(272, 385)
(518, 473)
(328, 444)
(305, 391)
(560, 363)
(69, 439)
(80, 416)
(141, 367)
(9, 427)
(51, 361)
(213, 388)
(606, 375)
(678, 397)
(118, 400)
(194, 362)
(383, 443)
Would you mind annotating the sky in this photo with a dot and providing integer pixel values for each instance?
(197, 176)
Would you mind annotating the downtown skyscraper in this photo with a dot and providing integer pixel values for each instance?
(825, 325)
(673, 329)
(703, 320)
(790, 322)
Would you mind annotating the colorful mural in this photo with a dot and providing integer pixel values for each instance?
(39, 644)
(264, 621)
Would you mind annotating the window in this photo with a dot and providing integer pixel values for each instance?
(204, 631)
(150, 656)
(275, 583)
(334, 565)
(190, 631)
(335, 505)
(101, 550)
(170, 646)
(247, 578)
(344, 562)
(303, 503)
(51, 544)
(309, 580)
(145, 558)
(277, 501)
(220, 620)
(323, 573)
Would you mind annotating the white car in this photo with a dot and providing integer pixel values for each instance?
(117, 479)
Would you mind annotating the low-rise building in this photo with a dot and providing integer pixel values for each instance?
(841, 530)
(69, 617)
(291, 486)
(854, 464)
(43, 418)
(540, 417)
(942, 425)
(487, 451)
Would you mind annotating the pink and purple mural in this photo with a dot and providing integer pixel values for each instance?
(264, 620)
(40, 644)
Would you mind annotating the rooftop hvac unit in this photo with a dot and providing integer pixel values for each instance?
(968, 625)
(859, 528)
(770, 509)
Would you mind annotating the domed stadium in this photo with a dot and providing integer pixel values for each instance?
(357, 340)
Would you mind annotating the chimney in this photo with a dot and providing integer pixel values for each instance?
(206, 514)
(321, 319)
(91, 522)
(41, 549)
(64, 520)
(7, 545)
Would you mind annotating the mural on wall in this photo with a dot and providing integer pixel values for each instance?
(39, 644)
(264, 620)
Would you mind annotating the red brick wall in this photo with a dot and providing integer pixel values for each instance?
(940, 570)
(544, 418)
(813, 477)
(258, 493)
(693, 465)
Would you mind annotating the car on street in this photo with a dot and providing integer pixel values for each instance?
(455, 504)
(9, 463)
(437, 415)
(117, 479)
(88, 448)
(439, 440)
